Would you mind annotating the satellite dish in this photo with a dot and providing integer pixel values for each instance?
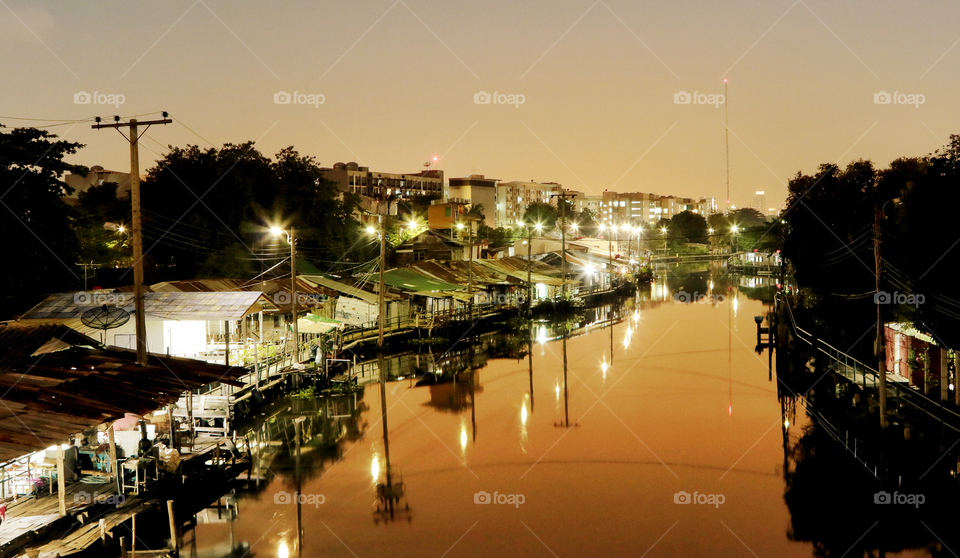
(105, 317)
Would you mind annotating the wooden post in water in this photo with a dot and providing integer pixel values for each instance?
(133, 535)
(123, 547)
(174, 540)
(61, 482)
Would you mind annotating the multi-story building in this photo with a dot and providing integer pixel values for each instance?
(583, 202)
(350, 177)
(480, 191)
(514, 197)
(642, 207)
(760, 202)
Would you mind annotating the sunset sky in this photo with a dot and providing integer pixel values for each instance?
(598, 80)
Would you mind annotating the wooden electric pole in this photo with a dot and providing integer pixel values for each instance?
(136, 231)
(881, 352)
(562, 208)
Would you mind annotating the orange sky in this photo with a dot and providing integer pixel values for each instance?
(598, 79)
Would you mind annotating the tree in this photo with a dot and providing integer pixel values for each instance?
(37, 226)
(199, 202)
(690, 225)
(100, 217)
(587, 223)
(541, 213)
(747, 217)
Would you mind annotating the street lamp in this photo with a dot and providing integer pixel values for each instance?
(735, 243)
(276, 231)
(663, 231)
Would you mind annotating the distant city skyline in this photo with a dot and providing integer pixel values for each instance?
(596, 96)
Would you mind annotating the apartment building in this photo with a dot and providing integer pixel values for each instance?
(350, 177)
(514, 197)
(480, 191)
(643, 207)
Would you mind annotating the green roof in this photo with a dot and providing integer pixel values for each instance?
(411, 281)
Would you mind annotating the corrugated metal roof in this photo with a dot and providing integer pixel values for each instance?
(410, 280)
(277, 290)
(457, 272)
(63, 388)
(343, 288)
(164, 305)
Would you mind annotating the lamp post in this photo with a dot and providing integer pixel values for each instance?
(293, 286)
(610, 253)
(735, 246)
(539, 228)
(663, 231)
(469, 270)
(381, 303)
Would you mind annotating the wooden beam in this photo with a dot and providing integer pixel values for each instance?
(113, 451)
(61, 482)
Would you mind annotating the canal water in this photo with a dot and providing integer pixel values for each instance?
(664, 438)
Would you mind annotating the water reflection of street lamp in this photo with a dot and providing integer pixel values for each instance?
(381, 299)
(276, 231)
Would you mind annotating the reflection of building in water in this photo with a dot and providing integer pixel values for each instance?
(756, 281)
(454, 393)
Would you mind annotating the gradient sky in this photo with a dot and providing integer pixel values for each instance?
(598, 77)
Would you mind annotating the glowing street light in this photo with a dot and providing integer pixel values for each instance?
(277, 231)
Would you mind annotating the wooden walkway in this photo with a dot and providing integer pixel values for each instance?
(30, 518)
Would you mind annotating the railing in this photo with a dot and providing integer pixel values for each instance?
(903, 394)
(30, 471)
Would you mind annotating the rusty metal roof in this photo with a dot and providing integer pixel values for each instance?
(55, 382)
(163, 305)
(457, 272)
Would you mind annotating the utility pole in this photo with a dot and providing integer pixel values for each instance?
(293, 296)
(381, 299)
(881, 352)
(529, 264)
(726, 138)
(136, 230)
(92, 267)
(562, 207)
